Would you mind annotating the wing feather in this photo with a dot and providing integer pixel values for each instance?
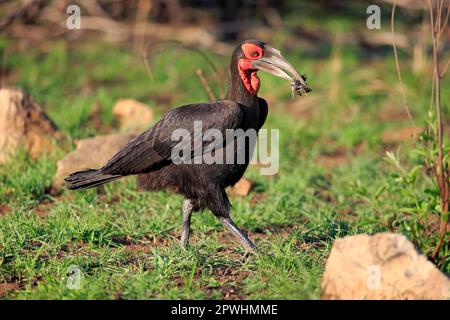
(152, 149)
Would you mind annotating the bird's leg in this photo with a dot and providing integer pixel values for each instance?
(242, 237)
(188, 207)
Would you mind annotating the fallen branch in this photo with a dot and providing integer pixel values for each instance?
(20, 12)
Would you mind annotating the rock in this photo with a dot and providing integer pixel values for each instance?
(90, 153)
(133, 115)
(23, 123)
(242, 187)
(382, 266)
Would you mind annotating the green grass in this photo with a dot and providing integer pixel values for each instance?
(125, 242)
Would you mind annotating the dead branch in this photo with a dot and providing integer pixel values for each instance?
(144, 7)
(397, 65)
(20, 12)
(205, 84)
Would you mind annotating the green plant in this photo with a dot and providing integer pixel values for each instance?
(433, 155)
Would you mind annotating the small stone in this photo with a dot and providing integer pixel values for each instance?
(133, 115)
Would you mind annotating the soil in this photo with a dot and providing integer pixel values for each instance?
(7, 288)
(4, 209)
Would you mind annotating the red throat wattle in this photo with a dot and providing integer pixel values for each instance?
(246, 71)
(249, 76)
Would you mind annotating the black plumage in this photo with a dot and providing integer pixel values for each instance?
(203, 185)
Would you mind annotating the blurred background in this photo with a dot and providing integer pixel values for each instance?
(334, 178)
(123, 41)
(147, 42)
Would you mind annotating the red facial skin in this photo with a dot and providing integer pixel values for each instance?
(251, 82)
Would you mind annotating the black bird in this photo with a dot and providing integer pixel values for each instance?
(150, 154)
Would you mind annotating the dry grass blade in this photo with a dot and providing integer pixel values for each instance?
(205, 84)
(397, 65)
(441, 171)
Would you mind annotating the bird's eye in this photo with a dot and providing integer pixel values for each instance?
(255, 54)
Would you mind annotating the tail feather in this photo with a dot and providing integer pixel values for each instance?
(90, 178)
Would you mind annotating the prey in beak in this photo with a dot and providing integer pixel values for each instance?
(273, 62)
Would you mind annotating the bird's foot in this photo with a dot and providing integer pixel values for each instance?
(241, 236)
(184, 241)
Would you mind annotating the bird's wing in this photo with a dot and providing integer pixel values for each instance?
(152, 149)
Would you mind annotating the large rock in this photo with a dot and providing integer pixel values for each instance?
(133, 115)
(23, 124)
(90, 153)
(382, 266)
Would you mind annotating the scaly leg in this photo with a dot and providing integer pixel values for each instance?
(188, 207)
(241, 236)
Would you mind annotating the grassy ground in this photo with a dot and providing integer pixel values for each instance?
(333, 180)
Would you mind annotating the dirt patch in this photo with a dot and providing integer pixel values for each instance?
(304, 108)
(4, 209)
(145, 245)
(139, 248)
(7, 288)
(392, 113)
(340, 156)
(231, 279)
(228, 277)
(229, 292)
(400, 135)
(273, 229)
(334, 157)
(75, 249)
(331, 161)
(257, 198)
(103, 198)
(43, 208)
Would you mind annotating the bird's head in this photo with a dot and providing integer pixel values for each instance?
(254, 55)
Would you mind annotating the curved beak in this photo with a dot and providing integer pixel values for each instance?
(274, 63)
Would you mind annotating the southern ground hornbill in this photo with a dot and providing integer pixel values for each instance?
(150, 154)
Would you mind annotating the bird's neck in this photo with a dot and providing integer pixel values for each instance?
(243, 86)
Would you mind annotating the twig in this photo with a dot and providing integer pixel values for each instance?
(147, 65)
(3, 66)
(397, 65)
(144, 7)
(441, 172)
(445, 20)
(205, 84)
(445, 69)
(152, 46)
